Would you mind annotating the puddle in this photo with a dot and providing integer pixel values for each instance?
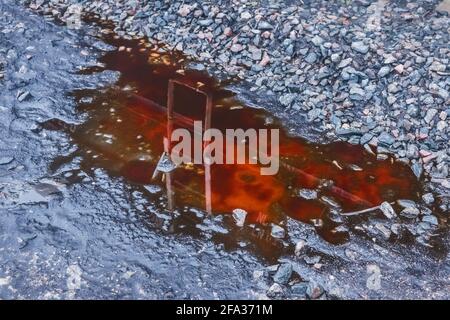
(126, 125)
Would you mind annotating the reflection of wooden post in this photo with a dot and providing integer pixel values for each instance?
(208, 111)
(206, 126)
(170, 106)
(170, 193)
(207, 162)
(168, 143)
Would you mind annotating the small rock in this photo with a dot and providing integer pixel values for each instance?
(299, 289)
(387, 210)
(239, 216)
(165, 164)
(391, 99)
(384, 231)
(317, 41)
(258, 274)
(153, 189)
(446, 183)
(410, 212)
(283, 274)
(412, 151)
(444, 6)
(275, 290)
(393, 88)
(431, 220)
(441, 125)
(278, 232)
(360, 47)
(428, 198)
(335, 57)
(417, 169)
(388, 59)
(314, 290)
(228, 31)
(384, 71)
(312, 260)
(357, 91)
(265, 59)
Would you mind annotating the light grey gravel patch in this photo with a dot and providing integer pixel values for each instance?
(417, 169)
(308, 194)
(406, 203)
(444, 6)
(374, 277)
(287, 99)
(276, 291)
(410, 212)
(431, 113)
(153, 189)
(239, 216)
(344, 63)
(23, 95)
(299, 289)
(365, 138)
(264, 25)
(314, 290)
(278, 232)
(311, 58)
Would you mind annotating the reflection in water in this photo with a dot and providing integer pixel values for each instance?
(125, 134)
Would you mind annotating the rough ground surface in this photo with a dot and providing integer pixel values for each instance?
(67, 234)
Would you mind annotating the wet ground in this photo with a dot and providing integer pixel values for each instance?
(79, 148)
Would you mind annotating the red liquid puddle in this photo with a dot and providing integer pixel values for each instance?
(125, 131)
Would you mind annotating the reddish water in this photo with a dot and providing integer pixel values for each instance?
(124, 134)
